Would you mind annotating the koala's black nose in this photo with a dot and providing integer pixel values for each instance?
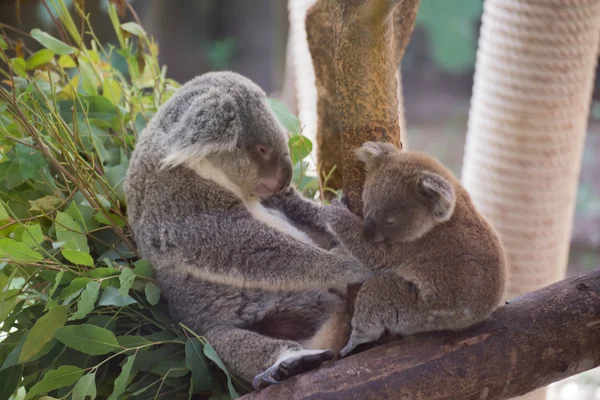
(371, 232)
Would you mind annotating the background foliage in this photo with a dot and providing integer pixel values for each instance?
(80, 312)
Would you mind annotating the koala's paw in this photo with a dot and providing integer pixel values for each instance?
(295, 364)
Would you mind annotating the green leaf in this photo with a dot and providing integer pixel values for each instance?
(42, 332)
(52, 43)
(99, 107)
(85, 387)
(78, 257)
(123, 379)
(143, 268)
(3, 213)
(212, 355)
(69, 231)
(19, 66)
(8, 301)
(133, 28)
(197, 362)
(101, 218)
(3, 44)
(10, 378)
(30, 160)
(116, 179)
(44, 204)
(88, 339)
(87, 301)
(66, 61)
(152, 293)
(39, 58)
(76, 285)
(288, 120)
(112, 297)
(131, 341)
(33, 235)
(65, 375)
(17, 251)
(126, 279)
(300, 148)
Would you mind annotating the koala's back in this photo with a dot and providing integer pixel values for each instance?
(461, 261)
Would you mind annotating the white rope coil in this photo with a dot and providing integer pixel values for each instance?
(535, 70)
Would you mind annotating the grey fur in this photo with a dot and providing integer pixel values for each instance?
(441, 264)
(237, 280)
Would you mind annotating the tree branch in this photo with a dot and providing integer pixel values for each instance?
(537, 339)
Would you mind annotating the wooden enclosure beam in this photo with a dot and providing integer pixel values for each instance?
(537, 339)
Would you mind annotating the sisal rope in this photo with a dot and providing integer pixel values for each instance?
(304, 73)
(534, 76)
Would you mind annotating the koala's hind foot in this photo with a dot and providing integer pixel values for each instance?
(290, 364)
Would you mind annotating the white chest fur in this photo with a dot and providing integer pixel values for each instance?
(269, 217)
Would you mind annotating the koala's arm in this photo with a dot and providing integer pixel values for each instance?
(348, 229)
(303, 213)
(232, 248)
(298, 209)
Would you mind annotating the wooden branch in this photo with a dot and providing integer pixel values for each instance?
(370, 16)
(537, 339)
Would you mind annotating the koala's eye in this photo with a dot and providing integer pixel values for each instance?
(262, 149)
(389, 221)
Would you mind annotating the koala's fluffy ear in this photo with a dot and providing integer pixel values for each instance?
(371, 153)
(437, 193)
(210, 124)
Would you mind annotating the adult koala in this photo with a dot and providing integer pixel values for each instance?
(233, 245)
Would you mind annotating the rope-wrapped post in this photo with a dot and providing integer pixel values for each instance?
(534, 76)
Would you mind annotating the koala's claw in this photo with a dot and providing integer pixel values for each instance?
(290, 367)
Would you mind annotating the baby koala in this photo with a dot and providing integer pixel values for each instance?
(441, 265)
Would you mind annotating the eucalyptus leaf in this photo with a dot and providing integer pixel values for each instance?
(113, 297)
(126, 279)
(152, 293)
(52, 43)
(78, 257)
(42, 331)
(63, 376)
(123, 379)
(88, 339)
(87, 300)
(39, 58)
(212, 355)
(70, 232)
(85, 387)
(3, 213)
(10, 378)
(17, 251)
(133, 28)
(197, 362)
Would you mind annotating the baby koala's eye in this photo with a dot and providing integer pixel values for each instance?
(390, 221)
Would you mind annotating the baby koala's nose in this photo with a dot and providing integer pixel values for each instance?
(371, 232)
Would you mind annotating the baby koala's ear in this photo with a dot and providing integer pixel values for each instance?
(437, 193)
(371, 153)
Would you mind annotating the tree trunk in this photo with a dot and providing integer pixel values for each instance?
(539, 338)
(327, 62)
